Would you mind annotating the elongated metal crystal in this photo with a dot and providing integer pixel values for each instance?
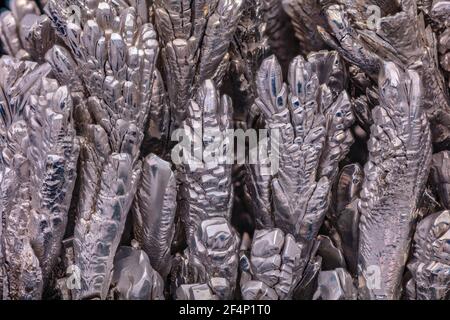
(247, 50)
(113, 52)
(440, 13)
(206, 197)
(205, 186)
(280, 32)
(344, 215)
(154, 212)
(156, 138)
(39, 152)
(101, 217)
(312, 117)
(399, 161)
(195, 36)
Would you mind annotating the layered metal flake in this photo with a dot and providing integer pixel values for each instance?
(395, 176)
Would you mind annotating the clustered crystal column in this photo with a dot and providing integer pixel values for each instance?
(39, 151)
(122, 125)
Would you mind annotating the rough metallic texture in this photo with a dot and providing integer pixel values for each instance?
(134, 278)
(120, 181)
(154, 212)
(206, 196)
(113, 52)
(399, 161)
(205, 186)
(210, 262)
(312, 117)
(156, 138)
(280, 32)
(402, 38)
(309, 283)
(39, 152)
(195, 36)
(331, 253)
(306, 16)
(344, 215)
(335, 285)
(430, 265)
(194, 292)
(440, 175)
(440, 13)
(102, 217)
(24, 32)
(247, 50)
(273, 268)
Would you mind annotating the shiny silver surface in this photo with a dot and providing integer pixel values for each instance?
(395, 177)
(127, 130)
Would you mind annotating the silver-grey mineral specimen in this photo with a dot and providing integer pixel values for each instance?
(225, 149)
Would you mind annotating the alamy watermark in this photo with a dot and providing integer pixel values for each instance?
(207, 149)
(73, 280)
(74, 14)
(374, 20)
(372, 274)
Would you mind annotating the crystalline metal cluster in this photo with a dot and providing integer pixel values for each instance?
(108, 106)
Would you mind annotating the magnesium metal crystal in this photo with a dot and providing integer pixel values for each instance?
(225, 149)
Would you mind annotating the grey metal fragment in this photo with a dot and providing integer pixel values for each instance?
(95, 204)
(274, 267)
(113, 50)
(205, 187)
(400, 36)
(39, 151)
(24, 32)
(335, 285)
(399, 161)
(209, 266)
(313, 116)
(345, 215)
(195, 37)
(154, 212)
(134, 278)
(430, 265)
(440, 175)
